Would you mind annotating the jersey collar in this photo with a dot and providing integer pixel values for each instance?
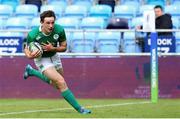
(40, 29)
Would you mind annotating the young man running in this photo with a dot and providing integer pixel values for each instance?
(53, 39)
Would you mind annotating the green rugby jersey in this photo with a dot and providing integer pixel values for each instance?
(57, 35)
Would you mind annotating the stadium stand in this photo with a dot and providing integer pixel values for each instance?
(79, 39)
(134, 3)
(145, 8)
(176, 22)
(68, 22)
(103, 11)
(137, 21)
(57, 9)
(129, 43)
(76, 11)
(175, 2)
(93, 23)
(63, 4)
(173, 10)
(17, 23)
(28, 11)
(86, 3)
(125, 11)
(111, 3)
(108, 42)
(177, 36)
(12, 3)
(6, 11)
(35, 22)
(156, 2)
(82, 47)
(1, 23)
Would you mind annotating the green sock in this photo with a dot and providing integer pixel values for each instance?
(36, 73)
(69, 97)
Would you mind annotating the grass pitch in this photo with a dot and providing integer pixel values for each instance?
(101, 108)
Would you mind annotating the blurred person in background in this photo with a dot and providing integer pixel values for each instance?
(162, 21)
(38, 3)
(111, 3)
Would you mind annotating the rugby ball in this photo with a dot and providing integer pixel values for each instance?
(35, 46)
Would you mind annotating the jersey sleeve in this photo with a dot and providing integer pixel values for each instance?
(31, 36)
(29, 39)
(62, 36)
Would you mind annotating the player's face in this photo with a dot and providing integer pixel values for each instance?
(48, 25)
(158, 12)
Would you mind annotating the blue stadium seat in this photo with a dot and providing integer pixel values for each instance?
(178, 47)
(88, 36)
(2, 23)
(108, 42)
(35, 22)
(69, 22)
(175, 2)
(103, 11)
(145, 8)
(129, 35)
(79, 39)
(123, 1)
(137, 21)
(134, 3)
(177, 36)
(5, 11)
(28, 11)
(82, 47)
(125, 11)
(76, 11)
(17, 23)
(12, 3)
(130, 45)
(86, 3)
(173, 10)
(176, 22)
(62, 3)
(93, 23)
(68, 40)
(156, 2)
(57, 9)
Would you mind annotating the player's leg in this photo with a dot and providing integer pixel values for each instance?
(61, 85)
(29, 71)
(66, 93)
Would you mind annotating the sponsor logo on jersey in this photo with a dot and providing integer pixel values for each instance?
(56, 36)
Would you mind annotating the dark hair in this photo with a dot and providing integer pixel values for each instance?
(158, 6)
(48, 13)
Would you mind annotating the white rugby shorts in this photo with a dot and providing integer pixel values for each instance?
(45, 62)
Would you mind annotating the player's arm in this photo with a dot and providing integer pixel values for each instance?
(61, 48)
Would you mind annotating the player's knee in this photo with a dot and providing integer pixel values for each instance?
(61, 84)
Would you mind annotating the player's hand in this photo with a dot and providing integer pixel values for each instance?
(30, 54)
(138, 27)
(48, 46)
(35, 54)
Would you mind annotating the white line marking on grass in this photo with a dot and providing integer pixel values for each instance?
(62, 109)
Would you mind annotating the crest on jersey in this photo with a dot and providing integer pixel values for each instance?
(56, 36)
(38, 37)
